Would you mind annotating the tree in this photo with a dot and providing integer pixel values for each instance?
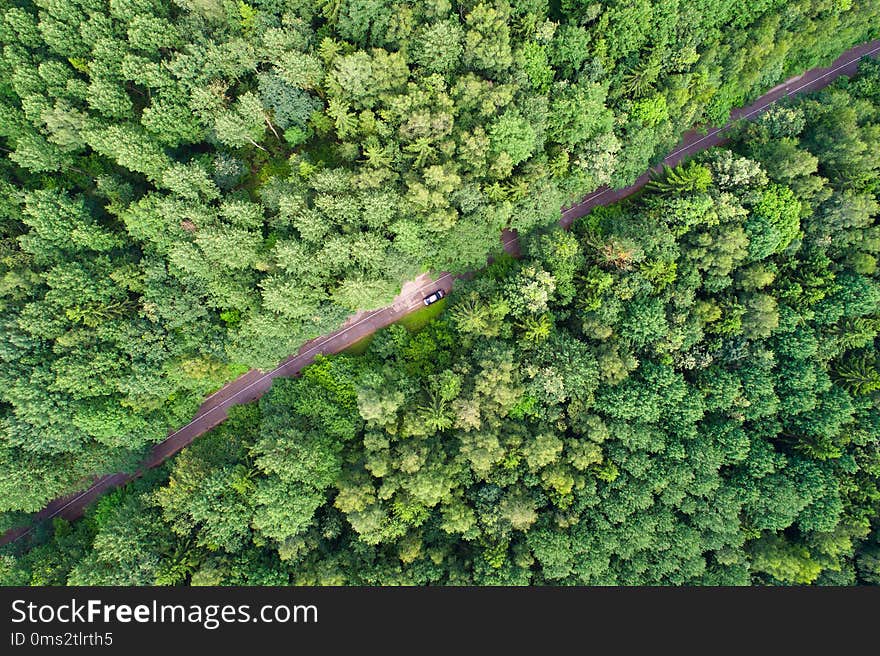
(438, 49)
(773, 222)
(691, 177)
(859, 374)
(487, 39)
(530, 292)
(786, 563)
(244, 123)
(578, 113)
(513, 136)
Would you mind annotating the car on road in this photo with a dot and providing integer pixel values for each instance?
(433, 298)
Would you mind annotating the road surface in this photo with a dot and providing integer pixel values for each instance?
(255, 383)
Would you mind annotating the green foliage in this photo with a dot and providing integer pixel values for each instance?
(512, 136)
(859, 374)
(774, 222)
(690, 177)
(683, 390)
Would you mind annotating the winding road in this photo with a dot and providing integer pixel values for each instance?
(255, 383)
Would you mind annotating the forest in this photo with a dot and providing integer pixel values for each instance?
(683, 389)
(192, 188)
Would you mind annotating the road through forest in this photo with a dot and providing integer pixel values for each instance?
(255, 383)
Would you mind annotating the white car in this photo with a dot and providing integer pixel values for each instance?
(433, 298)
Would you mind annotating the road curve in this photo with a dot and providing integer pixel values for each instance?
(255, 383)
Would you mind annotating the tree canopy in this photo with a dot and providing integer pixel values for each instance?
(683, 389)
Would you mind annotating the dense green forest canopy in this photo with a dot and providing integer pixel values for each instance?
(194, 187)
(684, 389)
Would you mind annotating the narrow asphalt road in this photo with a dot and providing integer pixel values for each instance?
(255, 383)
(244, 389)
(694, 141)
